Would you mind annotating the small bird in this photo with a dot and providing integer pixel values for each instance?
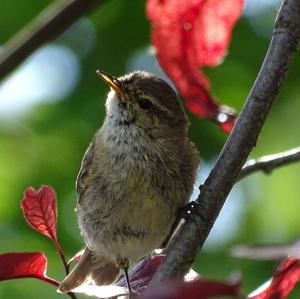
(137, 173)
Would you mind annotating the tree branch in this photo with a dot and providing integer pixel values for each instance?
(268, 163)
(242, 139)
(49, 24)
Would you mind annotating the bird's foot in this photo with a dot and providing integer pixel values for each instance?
(188, 210)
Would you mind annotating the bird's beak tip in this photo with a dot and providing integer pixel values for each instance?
(114, 83)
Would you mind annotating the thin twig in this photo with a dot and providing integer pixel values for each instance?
(50, 23)
(66, 265)
(268, 163)
(72, 295)
(242, 139)
(61, 255)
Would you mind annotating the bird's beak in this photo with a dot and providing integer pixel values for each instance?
(115, 84)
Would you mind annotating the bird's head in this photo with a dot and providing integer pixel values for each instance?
(143, 100)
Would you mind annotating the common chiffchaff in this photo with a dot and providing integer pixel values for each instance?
(137, 173)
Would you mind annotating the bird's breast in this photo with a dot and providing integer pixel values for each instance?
(134, 194)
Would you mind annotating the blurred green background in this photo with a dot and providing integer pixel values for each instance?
(52, 104)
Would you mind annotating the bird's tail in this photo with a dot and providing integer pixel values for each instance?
(89, 268)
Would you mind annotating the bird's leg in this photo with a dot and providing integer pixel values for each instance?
(127, 280)
(182, 213)
(189, 209)
(172, 230)
(124, 264)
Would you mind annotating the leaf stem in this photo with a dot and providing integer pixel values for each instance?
(66, 265)
(56, 284)
(62, 256)
(48, 280)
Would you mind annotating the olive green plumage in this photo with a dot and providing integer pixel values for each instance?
(137, 172)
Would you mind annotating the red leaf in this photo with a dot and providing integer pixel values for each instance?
(24, 265)
(39, 209)
(142, 273)
(283, 282)
(189, 35)
(196, 289)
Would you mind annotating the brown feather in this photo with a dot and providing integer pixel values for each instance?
(84, 178)
(89, 269)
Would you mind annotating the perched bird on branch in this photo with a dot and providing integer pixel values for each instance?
(137, 173)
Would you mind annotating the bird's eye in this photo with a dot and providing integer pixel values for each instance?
(144, 103)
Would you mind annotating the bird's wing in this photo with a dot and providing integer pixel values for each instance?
(84, 176)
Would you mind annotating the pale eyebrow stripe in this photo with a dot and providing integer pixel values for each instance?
(152, 99)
